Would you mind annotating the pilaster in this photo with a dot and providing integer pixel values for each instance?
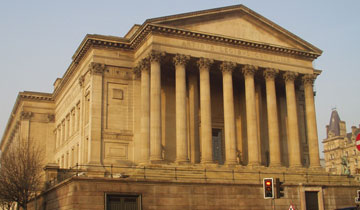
(95, 118)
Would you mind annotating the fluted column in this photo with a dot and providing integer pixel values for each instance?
(181, 115)
(205, 111)
(229, 115)
(144, 67)
(155, 107)
(293, 127)
(251, 120)
(273, 123)
(308, 81)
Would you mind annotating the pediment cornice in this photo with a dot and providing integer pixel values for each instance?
(135, 42)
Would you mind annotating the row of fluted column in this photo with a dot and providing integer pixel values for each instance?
(151, 149)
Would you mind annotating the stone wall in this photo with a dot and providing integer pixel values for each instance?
(89, 193)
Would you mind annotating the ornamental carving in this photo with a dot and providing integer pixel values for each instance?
(144, 64)
(26, 115)
(97, 68)
(137, 71)
(204, 63)
(308, 79)
(290, 76)
(155, 56)
(249, 70)
(227, 67)
(270, 74)
(181, 59)
(81, 80)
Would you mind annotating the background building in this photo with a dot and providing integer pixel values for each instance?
(185, 111)
(341, 154)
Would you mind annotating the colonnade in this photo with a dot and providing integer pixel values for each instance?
(151, 113)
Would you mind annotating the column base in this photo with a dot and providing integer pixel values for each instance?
(182, 162)
(207, 162)
(254, 164)
(161, 161)
(296, 166)
(231, 163)
(275, 165)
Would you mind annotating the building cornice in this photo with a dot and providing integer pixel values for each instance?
(154, 26)
(24, 96)
(234, 9)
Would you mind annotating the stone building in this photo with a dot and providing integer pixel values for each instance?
(185, 111)
(341, 154)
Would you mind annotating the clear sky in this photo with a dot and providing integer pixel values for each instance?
(39, 37)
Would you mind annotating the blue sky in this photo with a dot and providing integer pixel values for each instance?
(38, 39)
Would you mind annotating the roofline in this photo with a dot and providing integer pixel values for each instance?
(233, 8)
(150, 26)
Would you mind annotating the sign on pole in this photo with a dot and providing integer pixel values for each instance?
(291, 207)
(358, 141)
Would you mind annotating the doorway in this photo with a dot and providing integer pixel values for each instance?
(311, 199)
(218, 146)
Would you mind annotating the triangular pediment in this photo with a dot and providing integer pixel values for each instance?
(237, 22)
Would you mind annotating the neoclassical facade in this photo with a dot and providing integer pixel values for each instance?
(341, 154)
(214, 92)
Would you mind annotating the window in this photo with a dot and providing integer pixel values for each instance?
(123, 202)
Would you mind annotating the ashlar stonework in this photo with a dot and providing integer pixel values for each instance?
(185, 111)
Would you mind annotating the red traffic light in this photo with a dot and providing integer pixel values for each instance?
(268, 188)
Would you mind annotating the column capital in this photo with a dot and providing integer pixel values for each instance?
(97, 68)
(143, 65)
(227, 66)
(249, 70)
(155, 56)
(180, 59)
(270, 74)
(26, 115)
(290, 76)
(204, 63)
(81, 80)
(308, 79)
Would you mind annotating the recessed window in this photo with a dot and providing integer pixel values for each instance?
(123, 202)
(118, 94)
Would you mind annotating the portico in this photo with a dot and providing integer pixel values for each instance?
(191, 74)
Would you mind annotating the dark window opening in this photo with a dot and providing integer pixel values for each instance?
(122, 202)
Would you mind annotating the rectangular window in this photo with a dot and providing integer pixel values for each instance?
(123, 202)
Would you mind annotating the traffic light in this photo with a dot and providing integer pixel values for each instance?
(279, 188)
(268, 185)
